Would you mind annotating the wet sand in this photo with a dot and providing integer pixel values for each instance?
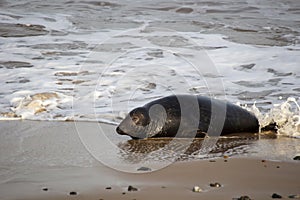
(31, 169)
(238, 177)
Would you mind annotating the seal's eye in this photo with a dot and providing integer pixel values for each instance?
(139, 117)
(135, 119)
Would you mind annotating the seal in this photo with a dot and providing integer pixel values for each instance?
(187, 116)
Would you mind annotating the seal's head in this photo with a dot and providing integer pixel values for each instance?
(134, 123)
(143, 122)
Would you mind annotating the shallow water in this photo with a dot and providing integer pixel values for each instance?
(27, 145)
(96, 60)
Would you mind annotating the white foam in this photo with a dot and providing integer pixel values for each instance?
(286, 116)
(40, 106)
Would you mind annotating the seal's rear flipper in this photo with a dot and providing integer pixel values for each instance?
(270, 127)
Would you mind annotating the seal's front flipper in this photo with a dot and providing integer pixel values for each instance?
(200, 134)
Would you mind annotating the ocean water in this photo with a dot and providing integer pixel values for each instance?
(97, 60)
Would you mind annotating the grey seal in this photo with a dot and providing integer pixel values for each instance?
(187, 116)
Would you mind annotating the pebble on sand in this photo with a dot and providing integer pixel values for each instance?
(131, 188)
(45, 189)
(197, 189)
(73, 193)
(294, 196)
(276, 196)
(243, 198)
(215, 185)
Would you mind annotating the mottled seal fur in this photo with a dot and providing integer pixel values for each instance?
(187, 116)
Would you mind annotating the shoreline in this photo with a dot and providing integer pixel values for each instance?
(47, 160)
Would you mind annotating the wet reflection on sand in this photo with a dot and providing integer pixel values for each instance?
(181, 149)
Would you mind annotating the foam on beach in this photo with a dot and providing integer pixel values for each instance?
(285, 116)
(55, 106)
(40, 106)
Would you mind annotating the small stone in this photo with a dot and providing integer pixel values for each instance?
(145, 169)
(131, 188)
(296, 158)
(123, 193)
(244, 198)
(45, 189)
(197, 189)
(263, 160)
(276, 196)
(225, 157)
(73, 193)
(294, 196)
(215, 185)
(108, 188)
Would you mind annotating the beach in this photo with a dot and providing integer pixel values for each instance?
(71, 71)
(46, 160)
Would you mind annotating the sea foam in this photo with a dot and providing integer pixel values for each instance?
(285, 115)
